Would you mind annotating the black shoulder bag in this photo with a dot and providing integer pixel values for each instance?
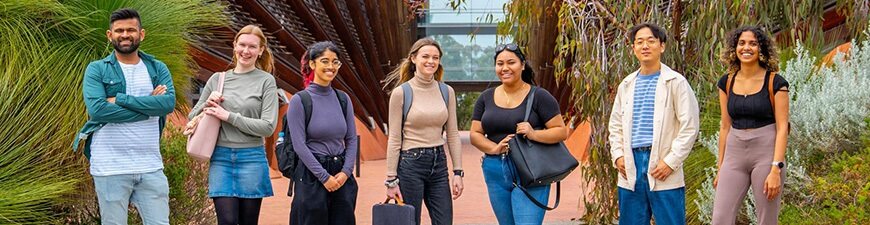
(539, 164)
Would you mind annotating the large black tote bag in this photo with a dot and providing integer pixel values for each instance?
(539, 164)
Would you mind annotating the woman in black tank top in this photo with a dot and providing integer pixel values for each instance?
(754, 127)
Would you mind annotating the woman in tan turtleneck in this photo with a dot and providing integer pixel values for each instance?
(416, 158)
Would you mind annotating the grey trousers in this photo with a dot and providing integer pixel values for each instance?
(747, 163)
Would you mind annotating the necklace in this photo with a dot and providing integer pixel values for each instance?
(508, 97)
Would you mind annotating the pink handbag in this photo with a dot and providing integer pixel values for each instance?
(201, 143)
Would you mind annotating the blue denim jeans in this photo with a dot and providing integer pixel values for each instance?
(149, 192)
(510, 204)
(636, 207)
(423, 178)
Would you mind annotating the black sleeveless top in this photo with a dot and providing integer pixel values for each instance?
(754, 110)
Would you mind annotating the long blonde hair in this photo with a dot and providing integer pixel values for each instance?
(405, 70)
(264, 62)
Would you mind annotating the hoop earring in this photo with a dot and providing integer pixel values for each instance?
(733, 55)
(762, 58)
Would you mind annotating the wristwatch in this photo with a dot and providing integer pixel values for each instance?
(392, 183)
(459, 173)
(778, 164)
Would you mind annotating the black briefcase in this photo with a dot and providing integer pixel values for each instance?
(393, 213)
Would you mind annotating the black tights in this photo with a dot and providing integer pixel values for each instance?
(237, 211)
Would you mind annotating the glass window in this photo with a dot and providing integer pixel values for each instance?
(466, 58)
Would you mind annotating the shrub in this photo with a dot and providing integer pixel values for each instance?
(841, 196)
(828, 103)
(465, 108)
(188, 181)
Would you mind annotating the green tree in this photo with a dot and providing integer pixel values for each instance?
(466, 61)
(592, 56)
(46, 45)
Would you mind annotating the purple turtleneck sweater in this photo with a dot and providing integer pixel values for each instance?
(327, 134)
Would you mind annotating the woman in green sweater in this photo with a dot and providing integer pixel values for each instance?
(238, 176)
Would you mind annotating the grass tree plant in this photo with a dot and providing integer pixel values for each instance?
(46, 45)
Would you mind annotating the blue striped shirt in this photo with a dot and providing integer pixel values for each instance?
(644, 106)
(128, 148)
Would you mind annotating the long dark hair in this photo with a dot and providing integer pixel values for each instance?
(528, 75)
(314, 50)
(768, 56)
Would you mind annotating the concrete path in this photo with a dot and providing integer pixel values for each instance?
(471, 208)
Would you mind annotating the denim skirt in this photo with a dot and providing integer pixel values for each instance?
(239, 172)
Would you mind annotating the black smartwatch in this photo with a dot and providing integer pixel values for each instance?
(779, 165)
(459, 173)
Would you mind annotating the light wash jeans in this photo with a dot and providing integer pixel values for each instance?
(149, 192)
(510, 204)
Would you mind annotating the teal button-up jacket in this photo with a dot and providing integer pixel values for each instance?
(103, 79)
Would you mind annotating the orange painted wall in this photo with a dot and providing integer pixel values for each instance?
(828, 60)
(578, 141)
(372, 143)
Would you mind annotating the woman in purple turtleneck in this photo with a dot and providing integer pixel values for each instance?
(325, 190)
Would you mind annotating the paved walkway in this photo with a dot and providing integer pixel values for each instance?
(471, 208)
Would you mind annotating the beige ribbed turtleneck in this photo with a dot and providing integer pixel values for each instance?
(424, 125)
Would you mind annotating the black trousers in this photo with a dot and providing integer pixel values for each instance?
(314, 205)
(423, 177)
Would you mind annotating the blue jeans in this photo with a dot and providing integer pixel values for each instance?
(423, 178)
(149, 192)
(635, 207)
(510, 204)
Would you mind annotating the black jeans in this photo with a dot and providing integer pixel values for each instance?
(423, 177)
(314, 205)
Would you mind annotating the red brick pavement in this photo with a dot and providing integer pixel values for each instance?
(471, 208)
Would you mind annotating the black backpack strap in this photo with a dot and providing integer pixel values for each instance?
(342, 100)
(306, 105)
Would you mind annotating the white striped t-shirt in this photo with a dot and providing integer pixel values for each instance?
(128, 148)
(644, 107)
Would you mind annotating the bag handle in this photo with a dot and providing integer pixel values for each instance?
(539, 204)
(220, 87)
(398, 201)
(529, 103)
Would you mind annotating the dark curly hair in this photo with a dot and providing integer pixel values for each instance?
(768, 58)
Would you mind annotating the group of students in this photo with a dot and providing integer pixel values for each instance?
(654, 124)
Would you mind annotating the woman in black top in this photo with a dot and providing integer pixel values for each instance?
(754, 127)
(498, 116)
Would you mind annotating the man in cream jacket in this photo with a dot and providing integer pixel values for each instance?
(653, 126)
